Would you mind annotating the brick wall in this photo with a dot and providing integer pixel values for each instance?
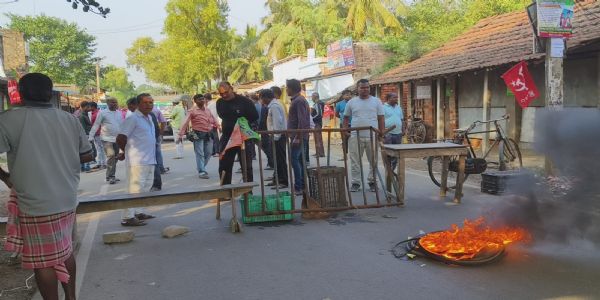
(369, 58)
(429, 119)
(13, 46)
(388, 88)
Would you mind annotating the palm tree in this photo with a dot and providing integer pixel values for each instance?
(249, 63)
(295, 25)
(363, 14)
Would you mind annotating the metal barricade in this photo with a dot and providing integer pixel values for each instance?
(320, 187)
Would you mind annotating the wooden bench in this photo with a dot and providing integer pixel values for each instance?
(91, 204)
(121, 201)
(403, 151)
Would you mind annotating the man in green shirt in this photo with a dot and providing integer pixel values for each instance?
(177, 116)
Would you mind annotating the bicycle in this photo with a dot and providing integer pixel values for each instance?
(509, 154)
(416, 130)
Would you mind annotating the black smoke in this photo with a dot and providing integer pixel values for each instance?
(566, 207)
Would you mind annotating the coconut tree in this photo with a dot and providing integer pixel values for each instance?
(249, 63)
(295, 25)
(381, 15)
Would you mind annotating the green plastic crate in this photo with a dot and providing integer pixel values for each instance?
(255, 206)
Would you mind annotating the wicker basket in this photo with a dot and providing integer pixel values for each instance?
(331, 192)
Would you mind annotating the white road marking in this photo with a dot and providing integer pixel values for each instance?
(86, 248)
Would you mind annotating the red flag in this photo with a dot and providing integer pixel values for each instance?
(328, 111)
(13, 92)
(235, 140)
(520, 82)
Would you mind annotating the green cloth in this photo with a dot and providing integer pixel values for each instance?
(246, 130)
(177, 116)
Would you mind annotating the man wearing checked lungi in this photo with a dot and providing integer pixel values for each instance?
(44, 147)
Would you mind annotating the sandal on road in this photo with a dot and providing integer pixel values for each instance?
(143, 216)
(132, 222)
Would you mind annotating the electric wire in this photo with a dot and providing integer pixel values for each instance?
(131, 30)
(126, 27)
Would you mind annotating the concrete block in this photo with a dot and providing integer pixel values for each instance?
(174, 230)
(114, 237)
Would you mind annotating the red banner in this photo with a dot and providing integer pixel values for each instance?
(13, 92)
(520, 82)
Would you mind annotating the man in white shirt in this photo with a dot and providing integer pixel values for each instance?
(276, 121)
(110, 123)
(137, 142)
(365, 111)
(212, 107)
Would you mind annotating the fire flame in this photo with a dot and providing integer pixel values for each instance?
(475, 237)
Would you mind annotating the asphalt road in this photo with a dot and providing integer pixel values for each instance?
(344, 257)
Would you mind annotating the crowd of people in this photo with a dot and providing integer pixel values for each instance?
(48, 148)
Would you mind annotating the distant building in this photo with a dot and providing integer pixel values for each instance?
(13, 60)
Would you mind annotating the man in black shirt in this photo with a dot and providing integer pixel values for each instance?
(230, 107)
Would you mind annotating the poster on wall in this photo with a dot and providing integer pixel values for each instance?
(340, 55)
(423, 92)
(555, 18)
(519, 81)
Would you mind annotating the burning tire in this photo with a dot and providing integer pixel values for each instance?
(474, 244)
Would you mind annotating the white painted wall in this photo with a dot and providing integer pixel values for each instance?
(297, 68)
(287, 70)
(468, 115)
(528, 124)
(329, 87)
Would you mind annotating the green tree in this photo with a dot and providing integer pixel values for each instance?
(116, 82)
(196, 47)
(431, 23)
(57, 48)
(296, 25)
(150, 89)
(377, 14)
(248, 62)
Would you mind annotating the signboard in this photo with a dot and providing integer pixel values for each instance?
(520, 82)
(423, 92)
(555, 18)
(340, 55)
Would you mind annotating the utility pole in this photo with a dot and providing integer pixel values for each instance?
(97, 79)
(554, 73)
(487, 110)
(554, 83)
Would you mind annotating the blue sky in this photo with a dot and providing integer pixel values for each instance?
(128, 20)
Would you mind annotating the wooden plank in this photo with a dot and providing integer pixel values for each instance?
(428, 152)
(422, 146)
(401, 179)
(444, 183)
(460, 179)
(114, 202)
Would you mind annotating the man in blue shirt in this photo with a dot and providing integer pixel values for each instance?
(340, 107)
(393, 117)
